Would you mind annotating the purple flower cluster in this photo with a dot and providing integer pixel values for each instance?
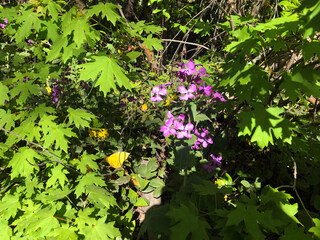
(57, 91)
(187, 94)
(30, 42)
(212, 164)
(3, 25)
(174, 125)
(202, 139)
(188, 72)
(159, 92)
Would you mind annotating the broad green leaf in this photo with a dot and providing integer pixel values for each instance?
(316, 228)
(80, 117)
(152, 43)
(105, 70)
(293, 232)
(7, 119)
(37, 223)
(186, 220)
(65, 232)
(4, 94)
(101, 197)
(206, 188)
(22, 90)
(86, 162)
(107, 10)
(29, 20)
(56, 135)
(88, 180)
(6, 231)
(58, 174)
(101, 230)
(21, 160)
(9, 206)
(141, 202)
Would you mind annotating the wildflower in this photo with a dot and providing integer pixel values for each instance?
(144, 107)
(168, 129)
(49, 90)
(212, 164)
(30, 42)
(184, 130)
(159, 92)
(206, 89)
(202, 139)
(218, 96)
(3, 26)
(5, 21)
(225, 197)
(188, 94)
(103, 133)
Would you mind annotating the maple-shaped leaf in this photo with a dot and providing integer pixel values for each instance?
(29, 20)
(186, 221)
(316, 229)
(86, 162)
(80, 117)
(20, 165)
(106, 70)
(4, 94)
(22, 90)
(250, 216)
(152, 43)
(102, 230)
(107, 10)
(262, 124)
(58, 173)
(65, 232)
(87, 180)
(7, 119)
(52, 8)
(293, 232)
(6, 231)
(101, 197)
(9, 206)
(57, 134)
(37, 223)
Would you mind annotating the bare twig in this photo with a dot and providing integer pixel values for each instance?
(295, 171)
(189, 43)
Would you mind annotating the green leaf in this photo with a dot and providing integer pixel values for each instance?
(105, 70)
(4, 94)
(156, 182)
(80, 117)
(86, 162)
(58, 173)
(152, 43)
(7, 119)
(56, 134)
(133, 55)
(185, 220)
(65, 232)
(6, 231)
(29, 20)
(107, 10)
(141, 202)
(9, 206)
(316, 229)
(201, 117)
(87, 180)
(101, 196)
(250, 216)
(206, 188)
(293, 232)
(21, 160)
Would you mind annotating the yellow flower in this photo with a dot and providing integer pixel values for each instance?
(144, 107)
(225, 197)
(170, 98)
(48, 89)
(119, 51)
(103, 133)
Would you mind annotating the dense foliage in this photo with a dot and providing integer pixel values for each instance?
(159, 119)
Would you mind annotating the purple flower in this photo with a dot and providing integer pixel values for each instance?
(159, 93)
(25, 79)
(3, 26)
(188, 94)
(212, 164)
(5, 21)
(30, 42)
(202, 139)
(167, 129)
(184, 130)
(217, 96)
(206, 89)
(174, 125)
(6, 101)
